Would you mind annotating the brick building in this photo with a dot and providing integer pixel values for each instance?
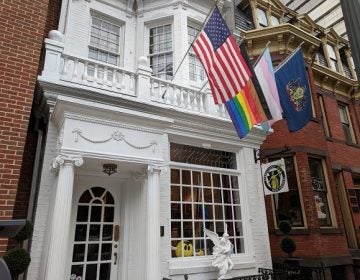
(24, 24)
(176, 164)
(323, 158)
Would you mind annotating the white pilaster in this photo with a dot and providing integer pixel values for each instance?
(153, 223)
(60, 220)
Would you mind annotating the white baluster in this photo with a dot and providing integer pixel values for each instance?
(75, 72)
(96, 73)
(168, 97)
(132, 83)
(64, 68)
(114, 73)
(152, 93)
(182, 101)
(188, 99)
(123, 75)
(85, 75)
(105, 76)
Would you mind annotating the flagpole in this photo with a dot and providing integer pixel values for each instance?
(197, 35)
(286, 59)
(199, 91)
(257, 60)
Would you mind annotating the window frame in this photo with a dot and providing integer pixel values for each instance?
(178, 266)
(272, 17)
(330, 204)
(299, 189)
(155, 24)
(333, 61)
(347, 125)
(324, 117)
(198, 82)
(260, 10)
(215, 221)
(112, 21)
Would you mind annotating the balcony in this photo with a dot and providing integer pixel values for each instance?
(70, 72)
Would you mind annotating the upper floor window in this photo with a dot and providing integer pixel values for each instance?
(104, 41)
(288, 204)
(346, 123)
(196, 70)
(161, 51)
(274, 20)
(262, 17)
(332, 57)
(321, 194)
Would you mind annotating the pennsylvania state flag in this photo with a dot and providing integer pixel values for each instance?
(294, 91)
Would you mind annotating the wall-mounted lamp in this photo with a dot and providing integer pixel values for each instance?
(109, 168)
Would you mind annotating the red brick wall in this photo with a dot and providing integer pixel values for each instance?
(23, 25)
(311, 140)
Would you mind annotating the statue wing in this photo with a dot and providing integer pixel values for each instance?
(213, 236)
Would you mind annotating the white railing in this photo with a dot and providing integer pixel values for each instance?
(84, 72)
(97, 74)
(184, 97)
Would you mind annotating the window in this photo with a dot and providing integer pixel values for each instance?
(263, 22)
(104, 41)
(333, 59)
(320, 191)
(203, 198)
(323, 117)
(346, 124)
(196, 70)
(274, 20)
(288, 204)
(160, 51)
(356, 199)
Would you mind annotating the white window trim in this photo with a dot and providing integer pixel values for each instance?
(196, 84)
(112, 20)
(203, 263)
(155, 23)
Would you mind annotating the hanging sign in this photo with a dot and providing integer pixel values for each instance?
(274, 177)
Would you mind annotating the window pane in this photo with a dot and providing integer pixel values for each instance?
(287, 204)
(201, 204)
(104, 39)
(320, 191)
(275, 21)
(262, 17)
(160, 41)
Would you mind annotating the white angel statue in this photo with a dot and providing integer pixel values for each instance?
(221, 252)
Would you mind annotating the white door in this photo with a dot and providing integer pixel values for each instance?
(95, 250)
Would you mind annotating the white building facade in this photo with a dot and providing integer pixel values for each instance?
(180, 165)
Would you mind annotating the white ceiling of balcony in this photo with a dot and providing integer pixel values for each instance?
(326, 13)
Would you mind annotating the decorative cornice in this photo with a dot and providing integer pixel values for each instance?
(117, 136)
(64, 159)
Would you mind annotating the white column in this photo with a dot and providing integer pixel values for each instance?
(60, 220)
(153, 223)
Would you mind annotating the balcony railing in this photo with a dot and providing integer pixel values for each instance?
(80, 72)
(97, 74)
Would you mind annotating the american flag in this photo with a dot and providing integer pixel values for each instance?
(217, 50)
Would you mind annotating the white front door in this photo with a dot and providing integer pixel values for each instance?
(95, 249)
